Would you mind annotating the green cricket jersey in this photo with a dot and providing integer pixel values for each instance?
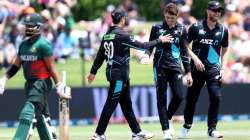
(32, 56)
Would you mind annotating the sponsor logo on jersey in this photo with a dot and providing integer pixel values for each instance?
(174, 40)
(29, 58)
(207, 41)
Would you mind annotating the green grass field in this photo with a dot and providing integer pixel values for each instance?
(139, 74)
(238, 130)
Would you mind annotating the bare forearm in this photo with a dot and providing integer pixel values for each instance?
(55, 75)
(191, 54)
(52, 69)
(223, 57)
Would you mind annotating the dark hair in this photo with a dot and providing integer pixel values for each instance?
(117, 15)
(171, 9)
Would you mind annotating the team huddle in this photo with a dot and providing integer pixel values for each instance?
(172, 56)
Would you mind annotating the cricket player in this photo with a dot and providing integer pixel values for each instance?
(167, 67)
(210, 43)
(115, 48)
(35, 57)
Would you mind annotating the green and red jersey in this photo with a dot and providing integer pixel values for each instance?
(32, 56)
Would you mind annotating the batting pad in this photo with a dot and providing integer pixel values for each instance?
(45, 130)
(26, 117)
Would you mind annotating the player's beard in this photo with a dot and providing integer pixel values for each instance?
(31, 31)
(213, 19)
(32, 37)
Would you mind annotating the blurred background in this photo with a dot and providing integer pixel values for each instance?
(75, 28)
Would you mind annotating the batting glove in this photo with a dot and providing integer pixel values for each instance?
(2, 84)
(63, 91)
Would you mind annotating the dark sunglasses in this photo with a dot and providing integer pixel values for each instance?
(216, 10)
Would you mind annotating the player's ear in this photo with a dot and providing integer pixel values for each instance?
(123, 20)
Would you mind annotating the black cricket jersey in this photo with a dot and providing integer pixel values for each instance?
(115, 49)
(171, 55)
(207, 43)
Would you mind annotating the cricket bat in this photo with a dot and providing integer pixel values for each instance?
(63, 114)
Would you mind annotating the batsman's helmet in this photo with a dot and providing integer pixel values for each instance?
(32, 23)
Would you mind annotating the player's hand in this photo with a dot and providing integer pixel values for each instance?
(90, 78)
(189, 79)
(198, 64)
(63, 91)
(2, 84)
(166, 38)
(222, 73)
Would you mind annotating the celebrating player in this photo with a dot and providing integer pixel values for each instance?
(210, 43)
(167, 66)
(115, 48)
(35, 56)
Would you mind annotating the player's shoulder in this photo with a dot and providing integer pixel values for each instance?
(158, 25)
(43, 43)
(180, 26)
(197, 24)
(43, 40)
(117, 32)
(23, 43)
(123, 35)
(222, 26)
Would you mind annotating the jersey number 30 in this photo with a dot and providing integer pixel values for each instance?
(109, 51)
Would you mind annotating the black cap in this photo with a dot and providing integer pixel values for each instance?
(214, 5)
(117, 15)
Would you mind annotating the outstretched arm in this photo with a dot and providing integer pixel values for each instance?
(153, 36)
(132, 43)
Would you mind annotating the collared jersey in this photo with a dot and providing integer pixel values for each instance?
(115, 49)
(207, 43)
(32, 56)
(171, 55)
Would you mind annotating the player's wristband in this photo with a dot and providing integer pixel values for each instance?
(93, 70)
(12, 71)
